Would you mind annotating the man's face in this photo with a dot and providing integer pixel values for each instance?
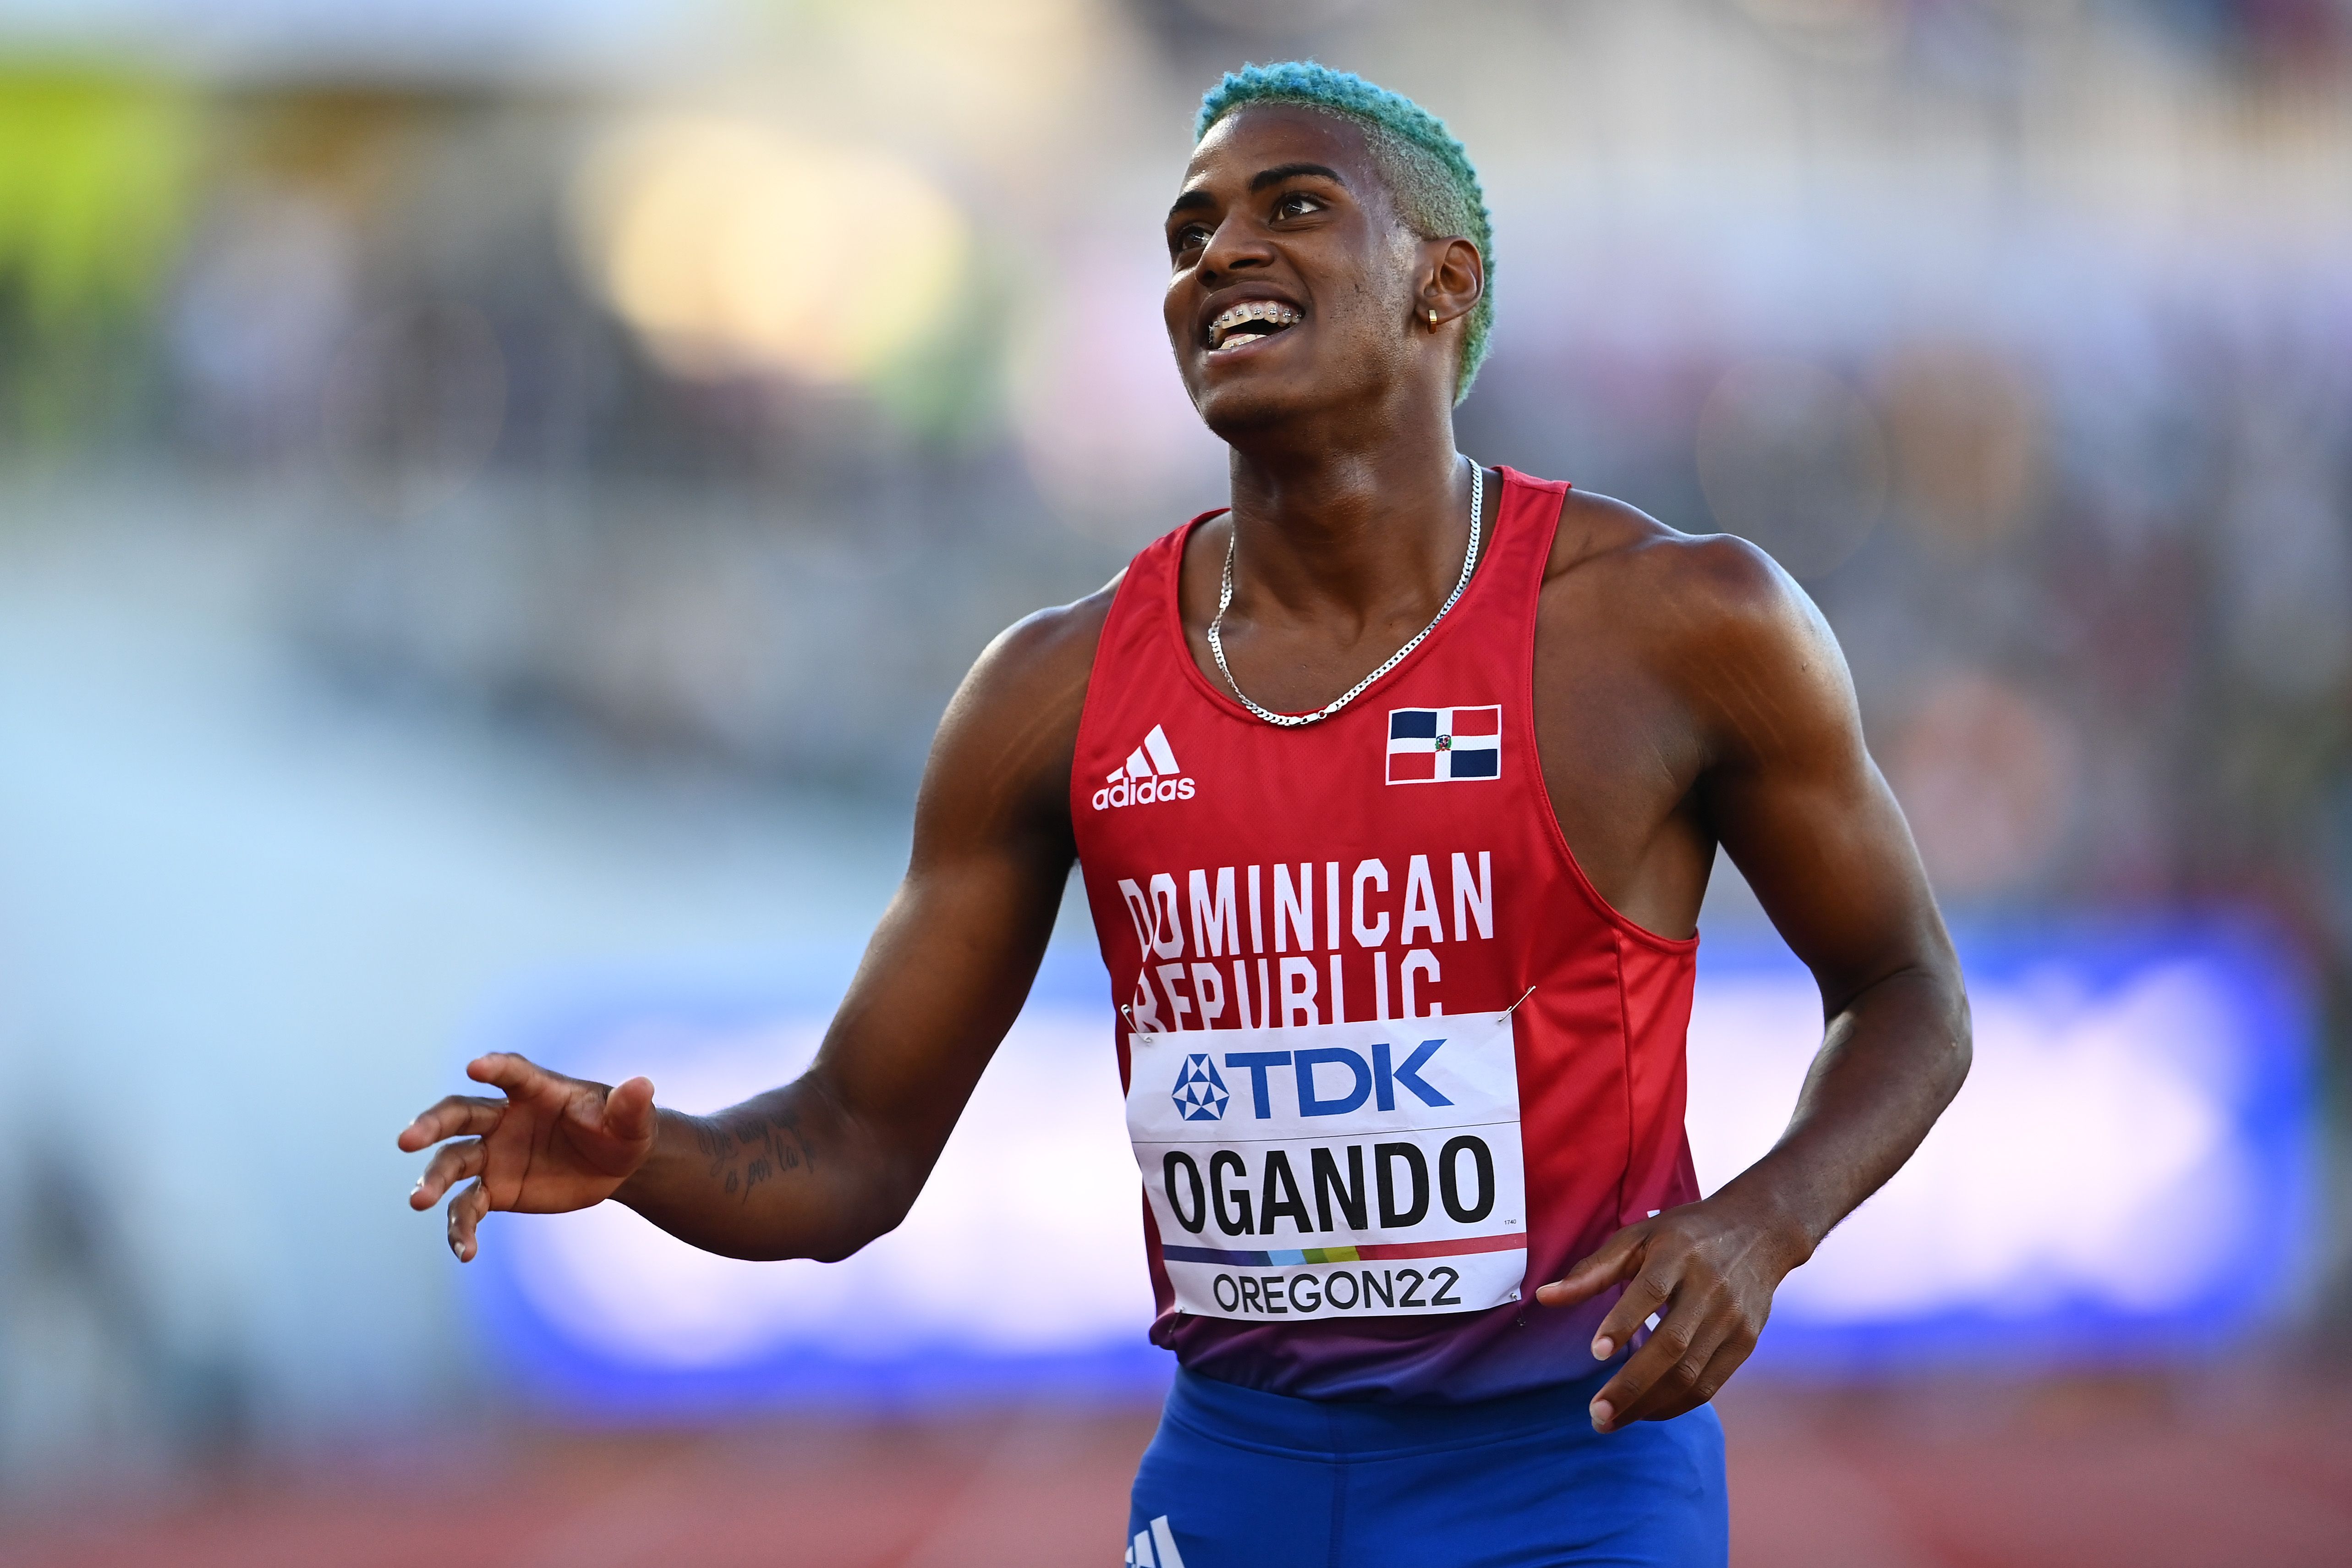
(1294, 284)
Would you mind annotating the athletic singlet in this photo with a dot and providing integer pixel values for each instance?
(1361, 1150)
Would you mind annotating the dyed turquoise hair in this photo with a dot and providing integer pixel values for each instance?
(1428, 174)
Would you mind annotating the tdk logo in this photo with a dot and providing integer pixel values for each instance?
(1330, 1080)
(1199, 1093)
(1151, 775)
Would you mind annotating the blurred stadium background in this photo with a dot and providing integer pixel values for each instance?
(494, 496)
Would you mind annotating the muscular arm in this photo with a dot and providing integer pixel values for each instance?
(825, 1165)
(1805, 815)
(828, 1163)
(1787, 788)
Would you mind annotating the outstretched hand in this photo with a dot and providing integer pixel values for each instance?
(553, 1143)
(1710, 1273)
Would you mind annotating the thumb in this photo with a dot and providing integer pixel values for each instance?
(629, 1111)
(1612, 1261)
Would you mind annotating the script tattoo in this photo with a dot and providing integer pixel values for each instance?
(752, 1144)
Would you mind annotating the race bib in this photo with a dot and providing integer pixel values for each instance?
(1342, 1170)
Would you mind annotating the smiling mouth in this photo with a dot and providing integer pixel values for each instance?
(1250, 322)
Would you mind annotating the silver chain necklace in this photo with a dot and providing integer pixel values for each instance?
(1294, 721)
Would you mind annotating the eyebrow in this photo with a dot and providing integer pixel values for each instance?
(1197, 197)
(1282, 172)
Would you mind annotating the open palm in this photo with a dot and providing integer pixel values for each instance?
(551, 1144)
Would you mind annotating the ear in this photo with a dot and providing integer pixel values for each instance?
(1453, 277)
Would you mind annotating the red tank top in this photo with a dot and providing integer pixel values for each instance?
(1399, 861)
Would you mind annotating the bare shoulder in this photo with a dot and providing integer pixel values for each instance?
(1709, 617)
(1043, 651)
(1614, 547)
(1012, 729)
(1677, 587)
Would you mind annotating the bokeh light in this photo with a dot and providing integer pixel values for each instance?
(1967, 441)
(734, 248)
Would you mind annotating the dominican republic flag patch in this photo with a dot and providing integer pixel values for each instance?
(1442, 745)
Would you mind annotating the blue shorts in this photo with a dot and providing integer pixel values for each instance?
(1237, 1478)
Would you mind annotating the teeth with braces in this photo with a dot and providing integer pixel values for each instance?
(1280, 315)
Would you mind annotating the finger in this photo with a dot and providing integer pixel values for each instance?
(629, 1111)
(1644, 1294)
(1612, 1406)
(466, 1212)
(454, 1116)
(452, 1163)
(1616, 1258)
(506, 1070)
(1690, 1351)
(1728, 1357)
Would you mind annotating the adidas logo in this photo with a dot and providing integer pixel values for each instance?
(1151, 774)
(1155, 1547)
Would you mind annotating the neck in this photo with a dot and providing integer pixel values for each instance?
(1359, 530)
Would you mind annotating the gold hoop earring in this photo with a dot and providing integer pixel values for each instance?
(1432, 321)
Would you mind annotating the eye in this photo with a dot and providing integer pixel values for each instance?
(1191, 236)
(1296, 204)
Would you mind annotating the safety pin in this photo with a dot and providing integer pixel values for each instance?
(1514, 1006)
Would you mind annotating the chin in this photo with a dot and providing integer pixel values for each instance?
(1239, 408)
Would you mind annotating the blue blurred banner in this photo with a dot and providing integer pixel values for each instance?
(1021, 1270)
(2130, 1172)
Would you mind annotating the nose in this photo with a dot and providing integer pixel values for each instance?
(1236, 247)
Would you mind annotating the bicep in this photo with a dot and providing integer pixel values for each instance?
(1801, 809)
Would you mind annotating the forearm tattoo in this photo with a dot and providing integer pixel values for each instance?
(752, 1144)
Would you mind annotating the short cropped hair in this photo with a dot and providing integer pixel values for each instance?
(1429, 175)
